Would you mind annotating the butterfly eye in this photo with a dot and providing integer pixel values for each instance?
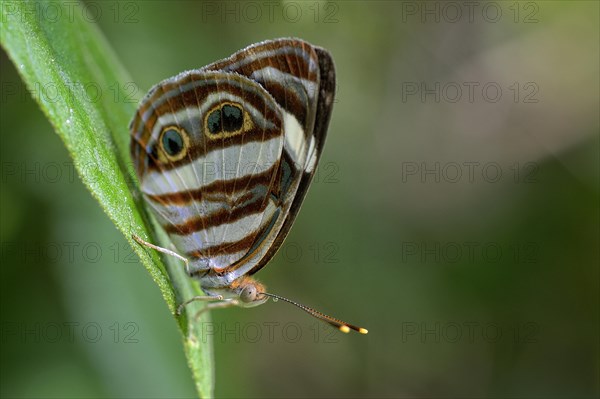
(173, 142)
(225, 120)
(248, 294)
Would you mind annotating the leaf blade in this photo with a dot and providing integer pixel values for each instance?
(60, 61)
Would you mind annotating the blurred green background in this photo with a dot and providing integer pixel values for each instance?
(455, 214)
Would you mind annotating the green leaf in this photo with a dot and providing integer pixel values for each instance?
(82, 88)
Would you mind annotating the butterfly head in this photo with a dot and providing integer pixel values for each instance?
(247, 291)
(251, 294)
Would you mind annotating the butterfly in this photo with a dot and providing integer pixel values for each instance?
(225, 154)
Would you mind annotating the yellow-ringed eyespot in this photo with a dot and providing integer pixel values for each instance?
(225, 120)
(174, 143)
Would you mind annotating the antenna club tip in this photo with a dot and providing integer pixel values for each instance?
(363, 331)
(344, 329)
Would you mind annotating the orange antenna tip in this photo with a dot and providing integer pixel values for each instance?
(341, 325)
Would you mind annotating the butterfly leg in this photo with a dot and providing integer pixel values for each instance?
(198, 298)
(163, 250)
(215, 305)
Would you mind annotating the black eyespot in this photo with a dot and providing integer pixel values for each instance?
(233, 118)
(214, 121)
(172, 142)
(228, 118)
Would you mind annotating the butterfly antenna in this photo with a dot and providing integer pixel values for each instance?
(339, 324)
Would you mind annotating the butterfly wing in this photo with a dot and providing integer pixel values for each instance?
(213, 196)
(301, 79)
(324, 106)
(252, 128)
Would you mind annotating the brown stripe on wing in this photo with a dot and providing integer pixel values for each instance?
(299, 67)
(215, 219)
(221, 249)
(280, 46)
(134, 125)
(289, 99)
(187, 196)
(251, 242)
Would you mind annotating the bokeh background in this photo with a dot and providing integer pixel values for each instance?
(455, 214)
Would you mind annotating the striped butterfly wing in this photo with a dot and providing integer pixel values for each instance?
(301, 78)
(224, 154)
(205, 146)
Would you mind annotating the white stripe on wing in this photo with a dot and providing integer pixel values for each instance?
(219, 164)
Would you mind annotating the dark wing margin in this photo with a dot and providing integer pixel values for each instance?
(323, 115)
